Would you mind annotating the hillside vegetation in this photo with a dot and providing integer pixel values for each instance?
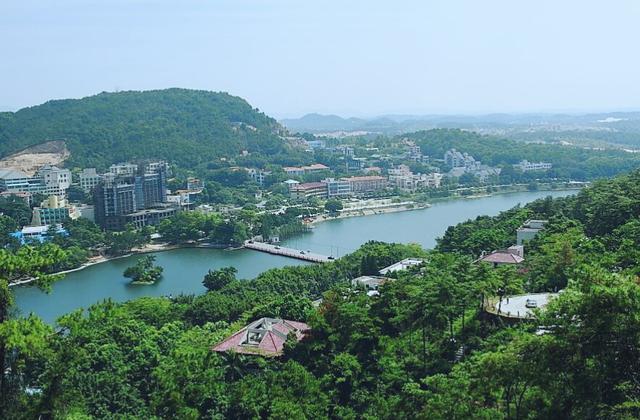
(186, 127)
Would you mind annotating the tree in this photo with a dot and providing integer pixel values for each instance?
(123, 242)
(21, 339)
(218, 279)
(144, 272)
(182, 227)
(333, 205)
(16, 208)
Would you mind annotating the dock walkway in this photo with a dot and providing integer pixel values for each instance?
(287, 252)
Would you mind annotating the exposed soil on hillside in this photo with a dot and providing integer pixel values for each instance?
(31, 158)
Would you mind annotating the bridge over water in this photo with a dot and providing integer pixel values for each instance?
(287, 252)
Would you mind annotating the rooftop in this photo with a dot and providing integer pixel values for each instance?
(370, 282)
(502, 257)
(265, 337)
(366, 178)
(12, 174)
(310, 185)
(401, 265)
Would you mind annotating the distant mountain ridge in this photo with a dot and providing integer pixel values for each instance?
(189, 127)
(625, 123)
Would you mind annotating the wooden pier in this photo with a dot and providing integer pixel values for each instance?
(287, 252)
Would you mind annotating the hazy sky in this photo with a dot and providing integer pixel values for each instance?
(347, 57)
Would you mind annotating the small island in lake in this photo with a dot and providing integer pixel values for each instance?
(144, 272)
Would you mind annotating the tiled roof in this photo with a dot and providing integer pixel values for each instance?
(266, 337)
(12, 174)
(502, 257)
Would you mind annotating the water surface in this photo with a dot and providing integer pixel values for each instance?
(184, 269)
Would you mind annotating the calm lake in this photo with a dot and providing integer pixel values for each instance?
(185, 268)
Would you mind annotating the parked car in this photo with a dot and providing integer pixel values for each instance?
(531, 303)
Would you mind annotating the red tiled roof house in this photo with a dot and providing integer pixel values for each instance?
(265, 337)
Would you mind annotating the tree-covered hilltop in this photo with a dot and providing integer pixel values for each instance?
(422, 348)
(186, 127)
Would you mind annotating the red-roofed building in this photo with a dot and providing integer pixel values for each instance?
(265, 337)
(511, 255)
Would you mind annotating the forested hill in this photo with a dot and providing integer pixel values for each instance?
(187, 127)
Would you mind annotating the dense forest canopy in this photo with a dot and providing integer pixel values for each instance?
(186, 127)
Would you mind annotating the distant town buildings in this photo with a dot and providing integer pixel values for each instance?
(123, 197)
(56, 181)
(526, 166)
(47, 180)
(123, 169)
(39, 234)
(258, 175)
(402, 178)
(346, 151)
(366, 184)
(301, 170)
(463, 163)
(413, 152)
(337, 187)
(54, 210)
(331, 187)
(308, 190)
(456, 159)
(316, 144)
(194, 184)
(88, 179)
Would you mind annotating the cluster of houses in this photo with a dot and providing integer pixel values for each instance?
(463, 163)
(127, 193)
(331, 187)
(400, 176)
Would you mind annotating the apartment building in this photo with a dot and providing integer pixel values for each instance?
(88, 179)
(337, 187)
(48, 180)
(53, 210)
(526, 166)
(118, 196)
(365, 184)
(308, 190)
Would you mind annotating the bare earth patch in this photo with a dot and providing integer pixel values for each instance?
(32, 158)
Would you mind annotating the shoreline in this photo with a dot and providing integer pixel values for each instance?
(372, 211)
(147, 249)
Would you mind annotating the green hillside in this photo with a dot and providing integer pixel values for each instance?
(187, 127)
